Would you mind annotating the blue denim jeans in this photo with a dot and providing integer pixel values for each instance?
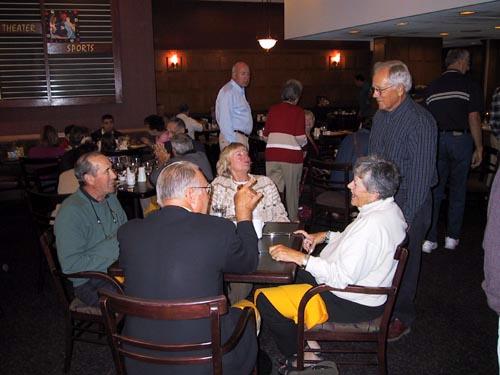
(454, 159)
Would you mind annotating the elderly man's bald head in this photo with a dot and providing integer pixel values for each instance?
(241, 74)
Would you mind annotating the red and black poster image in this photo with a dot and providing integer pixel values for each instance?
(62, 26)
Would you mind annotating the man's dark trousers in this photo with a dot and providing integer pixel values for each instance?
(454, 159)
(405, 302)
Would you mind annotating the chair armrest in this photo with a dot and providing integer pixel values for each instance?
(246, 315)
(93, 275)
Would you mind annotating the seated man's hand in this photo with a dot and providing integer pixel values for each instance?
(282, 253)
(245, 201)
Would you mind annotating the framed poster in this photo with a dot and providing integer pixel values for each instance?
(62, 26)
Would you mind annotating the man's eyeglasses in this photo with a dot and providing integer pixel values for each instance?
(379, 91)
(207, 188)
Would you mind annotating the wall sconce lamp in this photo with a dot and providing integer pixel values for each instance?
(334, 60)
(174, 63)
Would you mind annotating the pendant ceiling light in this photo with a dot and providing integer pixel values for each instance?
(268, 41)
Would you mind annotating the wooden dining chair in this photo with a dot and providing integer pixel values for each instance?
(82, 322)
(374, 331)
(43, 208)
(40, 174)
(113, 305)
(330, 200)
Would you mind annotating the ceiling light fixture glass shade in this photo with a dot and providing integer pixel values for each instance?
(267, 43)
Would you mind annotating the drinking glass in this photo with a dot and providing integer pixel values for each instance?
(219, 210)
(124, 161)
(148, 166)
(133, 166)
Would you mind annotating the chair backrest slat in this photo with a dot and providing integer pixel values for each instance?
(165, 360)
(164, 310)
(162, 347)
(40, 173)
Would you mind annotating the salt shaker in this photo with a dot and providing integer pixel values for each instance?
(141, 176)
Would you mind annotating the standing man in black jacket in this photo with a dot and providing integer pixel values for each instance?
(456, 102)
(181, 252)
(405, 133)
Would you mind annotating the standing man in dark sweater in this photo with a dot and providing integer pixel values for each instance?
(405, 133)
(456, 102)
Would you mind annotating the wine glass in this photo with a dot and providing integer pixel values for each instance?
(148, 167)
(124, 161)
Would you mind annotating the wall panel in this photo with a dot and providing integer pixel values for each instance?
(204, 72)
(421, 55)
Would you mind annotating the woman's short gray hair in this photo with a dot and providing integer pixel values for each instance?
(174, 179)
(378, 175)
(292, 90)
(398, 73)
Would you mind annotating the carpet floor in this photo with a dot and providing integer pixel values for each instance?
(455, 331)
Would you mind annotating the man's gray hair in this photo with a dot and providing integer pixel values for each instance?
(181, 144)
(292, 90)
(455, 55)
(174, 179)
(398, 73)
(85, 166)
(378, 175)
(179, 123)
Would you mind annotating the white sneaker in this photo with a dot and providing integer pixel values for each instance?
(428, 246)
(450, 243)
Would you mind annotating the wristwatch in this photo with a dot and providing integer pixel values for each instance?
(305, 261)
(327, 237)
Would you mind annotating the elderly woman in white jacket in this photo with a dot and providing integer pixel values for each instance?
(362, 254)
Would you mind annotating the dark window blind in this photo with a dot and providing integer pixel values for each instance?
(38, 67)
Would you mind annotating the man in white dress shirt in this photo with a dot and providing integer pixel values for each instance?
(232, 110)
(191, 124)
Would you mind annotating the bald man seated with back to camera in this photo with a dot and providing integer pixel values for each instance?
(181, 252)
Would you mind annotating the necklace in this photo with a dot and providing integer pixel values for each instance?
(240, 182)
(99, 221)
